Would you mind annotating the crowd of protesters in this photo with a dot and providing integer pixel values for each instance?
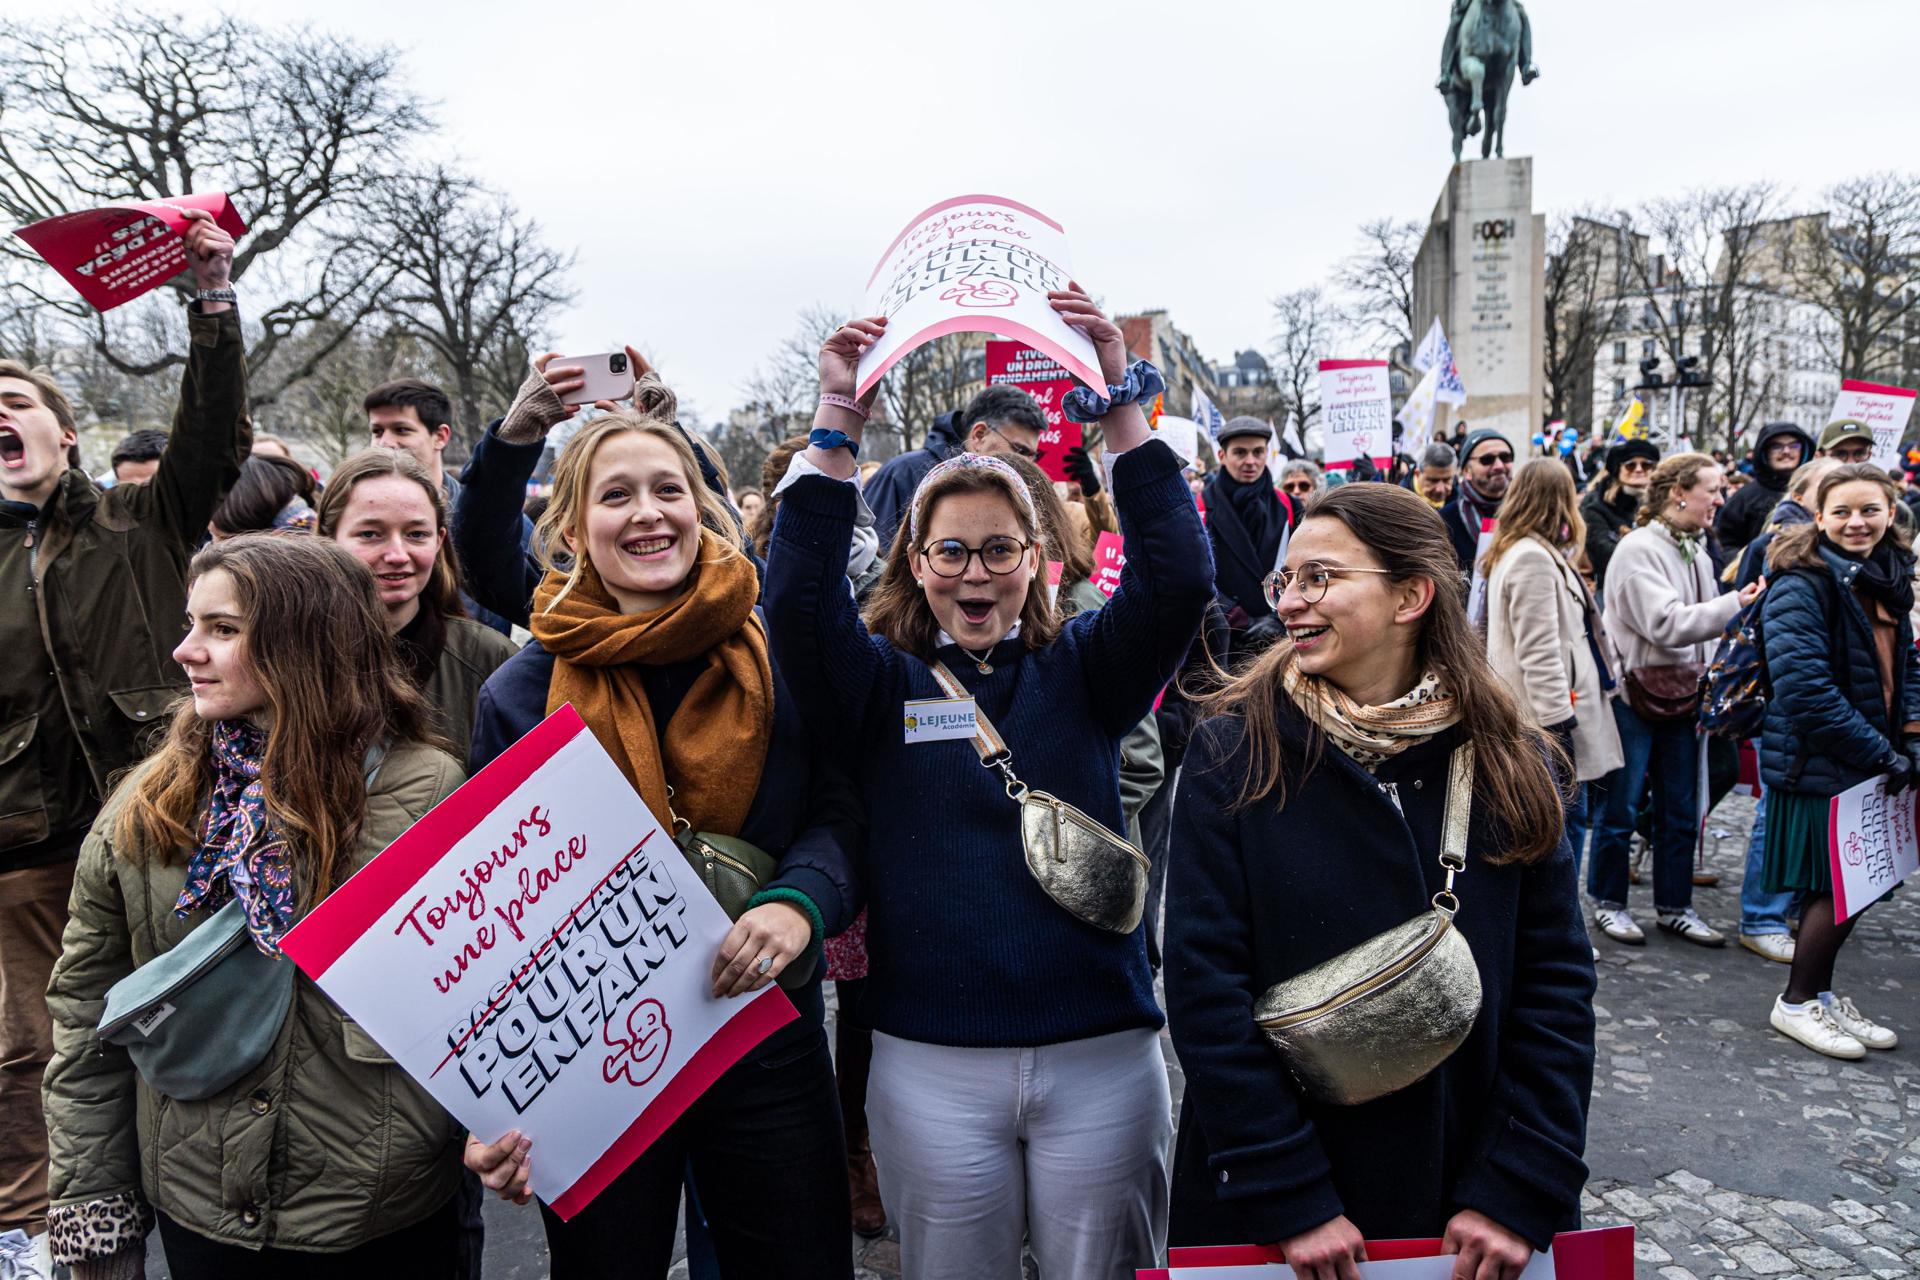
(1321, 708)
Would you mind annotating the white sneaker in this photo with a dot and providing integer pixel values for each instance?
(1769, 946)
(1688, 924)
(1813, 1025)
(1617, 923)
(24, 1257)
(1859, 1026)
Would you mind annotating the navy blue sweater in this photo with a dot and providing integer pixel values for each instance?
(965, 948)
(805, 813)
(1261, 893)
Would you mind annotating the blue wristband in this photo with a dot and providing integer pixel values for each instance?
(821, 438)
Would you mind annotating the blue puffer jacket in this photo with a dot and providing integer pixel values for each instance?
(1826, 727)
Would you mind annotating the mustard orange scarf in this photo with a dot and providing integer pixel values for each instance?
(716, 744)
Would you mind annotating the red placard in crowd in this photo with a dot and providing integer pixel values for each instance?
(1016, 364)
(115, 254)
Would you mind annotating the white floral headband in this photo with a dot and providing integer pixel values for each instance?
(970, 462)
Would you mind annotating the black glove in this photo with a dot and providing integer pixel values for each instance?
(1264, 632)
(1911, 749)
(1901, 775)
(1078, 465)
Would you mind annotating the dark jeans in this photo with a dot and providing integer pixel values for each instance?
(1667, 757)
(766, 1149)
(427, 1250)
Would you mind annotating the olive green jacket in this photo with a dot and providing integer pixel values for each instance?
(470, 654)
(323, 1146)
(96, 599)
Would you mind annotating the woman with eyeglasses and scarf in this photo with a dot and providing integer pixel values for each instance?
(1314, 814)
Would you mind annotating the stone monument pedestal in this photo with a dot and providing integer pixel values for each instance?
(1480, 271)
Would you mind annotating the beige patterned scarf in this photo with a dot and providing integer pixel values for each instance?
(1371, 735)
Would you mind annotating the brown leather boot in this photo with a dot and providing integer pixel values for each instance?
(863, 1181)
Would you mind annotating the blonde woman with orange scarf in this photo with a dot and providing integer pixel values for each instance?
(651, 632)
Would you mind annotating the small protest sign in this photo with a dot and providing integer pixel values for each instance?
(1109, 558)
(1016, 364)
(1356, 413)
(1604, 1253)
(975, 264)
(114, 254)
(1871, 844)
(537, 953)
(1885, 409)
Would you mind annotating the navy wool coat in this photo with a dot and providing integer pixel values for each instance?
(1826, 728)
(1257, 894)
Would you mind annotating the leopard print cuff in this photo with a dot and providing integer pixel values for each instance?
(96, 1229)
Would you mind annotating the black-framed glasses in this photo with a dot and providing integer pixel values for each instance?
(1298, 488)
(1024, 450)
(1636, 464)
(1492, 459)
(949, 557)
(1312, 578)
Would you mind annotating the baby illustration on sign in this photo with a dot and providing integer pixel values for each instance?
(640, 1058)
(982, 293)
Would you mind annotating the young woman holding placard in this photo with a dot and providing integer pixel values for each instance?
(303, 752)
(1362, 782)
(651, 632)
(1018, 1089)
(1839, 650)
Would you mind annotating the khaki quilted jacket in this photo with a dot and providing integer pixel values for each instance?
(323, 1146)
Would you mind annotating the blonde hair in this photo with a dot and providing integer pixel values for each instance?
(565, 515)
(1541, 501)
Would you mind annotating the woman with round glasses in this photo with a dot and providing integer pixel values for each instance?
(1312, 817)
(1018, 1089)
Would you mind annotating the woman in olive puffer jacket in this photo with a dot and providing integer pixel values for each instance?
(303, 752)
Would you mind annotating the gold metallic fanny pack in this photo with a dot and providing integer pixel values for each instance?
(1384, 1014)
(1095, 875)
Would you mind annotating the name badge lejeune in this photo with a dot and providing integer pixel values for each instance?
(939, 719)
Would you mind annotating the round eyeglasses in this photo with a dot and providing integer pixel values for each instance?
(949, 557)
(1312, 578)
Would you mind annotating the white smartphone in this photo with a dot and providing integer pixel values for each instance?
(609, 376)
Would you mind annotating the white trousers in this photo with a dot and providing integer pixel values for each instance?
(979, 1149)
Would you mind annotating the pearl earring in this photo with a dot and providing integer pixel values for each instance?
(1683, 504)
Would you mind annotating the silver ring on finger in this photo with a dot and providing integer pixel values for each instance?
(766, 963)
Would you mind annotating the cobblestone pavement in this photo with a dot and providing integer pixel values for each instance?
(1734, 1151)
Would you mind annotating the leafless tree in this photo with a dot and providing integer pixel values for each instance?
(1378, 278)
(472, 282)
(785, 386)
(1307, 327)
(1583, 304)
(1697, 292)
(930, 380)
(1859, 263)
(295, 126)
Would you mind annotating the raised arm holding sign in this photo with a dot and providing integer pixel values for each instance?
(114, 254)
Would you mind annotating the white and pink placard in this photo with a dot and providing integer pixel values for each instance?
(537, 953)
(1356, 413)
(975, 264)
(1871, 844)
(1885, 409)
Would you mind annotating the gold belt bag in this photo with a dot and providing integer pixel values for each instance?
(1384, 1014)
(1095, 875)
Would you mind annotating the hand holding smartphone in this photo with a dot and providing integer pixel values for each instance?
(608, 375)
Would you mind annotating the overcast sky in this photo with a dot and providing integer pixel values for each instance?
(717, 166)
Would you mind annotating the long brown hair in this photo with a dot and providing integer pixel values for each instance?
(898, 610)
(1065, 543)
(566, 511)
(1796, 545)
(1675, 472)
(316, 638)
(443, 588)
(1541, 500)
(1512, 779)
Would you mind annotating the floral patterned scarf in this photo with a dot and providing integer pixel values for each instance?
(1371, 735)
(241, 855)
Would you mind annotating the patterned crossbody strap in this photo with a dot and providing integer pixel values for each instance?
(986, 739)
